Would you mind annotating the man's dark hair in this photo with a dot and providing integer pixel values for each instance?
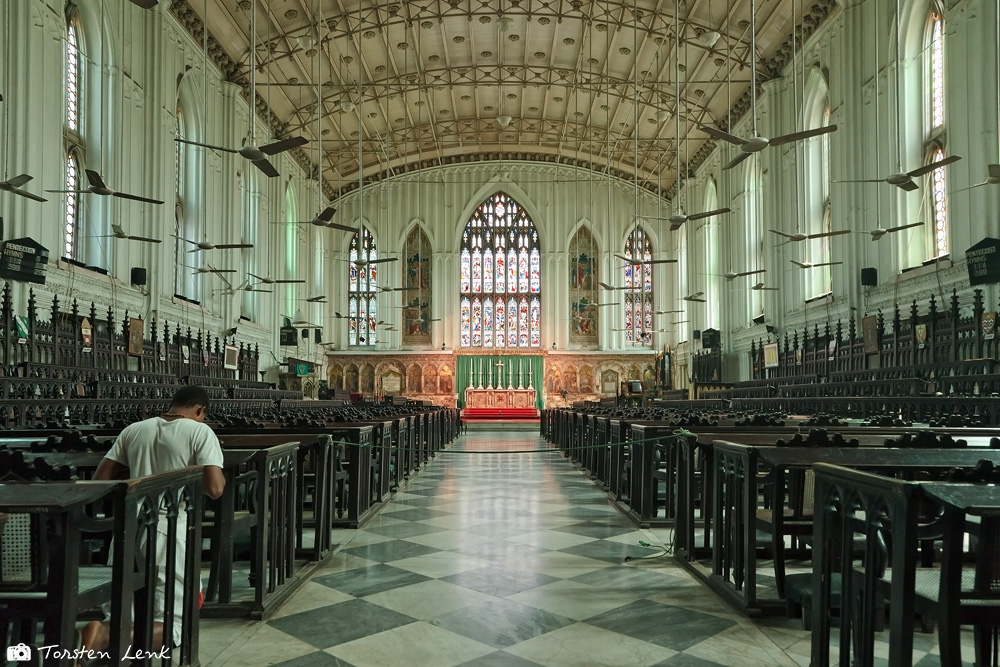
(189, 397)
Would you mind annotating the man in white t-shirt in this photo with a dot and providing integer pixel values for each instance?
(176, 439)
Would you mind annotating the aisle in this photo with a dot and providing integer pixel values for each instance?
(490, 559)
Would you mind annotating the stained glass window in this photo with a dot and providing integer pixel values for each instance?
(935, 134)
(583, 265)
(417, 254)
(639, 290)
(362, 288)
(500, 255)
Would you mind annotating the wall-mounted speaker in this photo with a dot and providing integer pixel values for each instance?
(138, 276)
(869, 277)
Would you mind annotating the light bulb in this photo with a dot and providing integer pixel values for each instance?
(504, 23)
(663, 115)
(504, 120)
(346, 106)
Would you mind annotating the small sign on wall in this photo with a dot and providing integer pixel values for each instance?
(989, 325)
(135, 336)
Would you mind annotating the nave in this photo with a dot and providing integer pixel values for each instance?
(506, 559)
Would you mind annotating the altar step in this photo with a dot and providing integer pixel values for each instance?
(501, 425)
(500, 413)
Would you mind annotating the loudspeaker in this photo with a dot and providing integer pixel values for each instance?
(869, 277)
(138, 276)
(696, 334)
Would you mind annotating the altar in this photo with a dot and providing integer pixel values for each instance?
(499, 398)
(499, 385)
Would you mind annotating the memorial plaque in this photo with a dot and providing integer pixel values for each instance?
(288, 336)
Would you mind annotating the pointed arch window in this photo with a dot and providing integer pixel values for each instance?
(73, 72)
(291, 249)
(934, 134)
(710, 232)
(417, 281)
(502, 240)
(251, 226)
(638, 299)
(754, 233)
(362, 289)
(583, 277)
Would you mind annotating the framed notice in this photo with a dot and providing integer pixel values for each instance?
(231, 360)
(21, 326)
(989, 325)
(185, 354)
(831, 350)
(798, 356)
(869, 334)
(135, 336)
(86, 335)
(770, 355)
(921, 335)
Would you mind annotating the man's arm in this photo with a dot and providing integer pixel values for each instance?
(110, 470)
(213, 482)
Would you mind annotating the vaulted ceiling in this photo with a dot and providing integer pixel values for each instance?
(408, 84)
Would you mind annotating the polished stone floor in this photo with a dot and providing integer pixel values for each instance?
(499, 553)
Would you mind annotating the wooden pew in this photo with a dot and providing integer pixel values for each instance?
(740, 470)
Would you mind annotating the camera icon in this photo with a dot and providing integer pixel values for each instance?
(19, 653)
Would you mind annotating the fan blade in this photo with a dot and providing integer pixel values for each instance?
(994, 170)
(143, 239)
(346, 228)
(825, 234)
(285, 281)
(283, 145)
(382, 260)
(862, 180)
(719, 134)
(709, 214)
(327, 214)
(258, 291)
(750, 273)
(69, 192)
(95, 179)
(787, 236)
(909, 186)
(17, 181)
(214, 148)
(928, 168)
(660, 261)
(145, 4)
(125, 195)
(798, 136)
(225, 246)
(971, 187)
(266, 167)
(737, 160)
(902, 227)
(185, 240)
(25, 193)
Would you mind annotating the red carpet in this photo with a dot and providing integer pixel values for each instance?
(499, 413)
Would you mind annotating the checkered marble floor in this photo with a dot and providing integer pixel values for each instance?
(501, 559)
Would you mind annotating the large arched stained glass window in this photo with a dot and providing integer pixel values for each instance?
(639, 290)
(934, 134)
(363, 287)
(500, 277)
(417, 281)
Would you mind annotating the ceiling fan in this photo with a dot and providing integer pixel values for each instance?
(733, 275)
(256, 154)
(905, 181)
(98, 187)
(696, 297)
(13, 186)
(276, 281)
(208, 268)
(993, 179)
(316, 299)
(321, 220)
(205, 245)
(667, 312)
(636, 262)
(244, 287)
(756, 143)
(810, 265)
(380, 260)
(759, 287)
(677, 220)
(607, 286)
(798, 236)
(119, 233)
(879, 232)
